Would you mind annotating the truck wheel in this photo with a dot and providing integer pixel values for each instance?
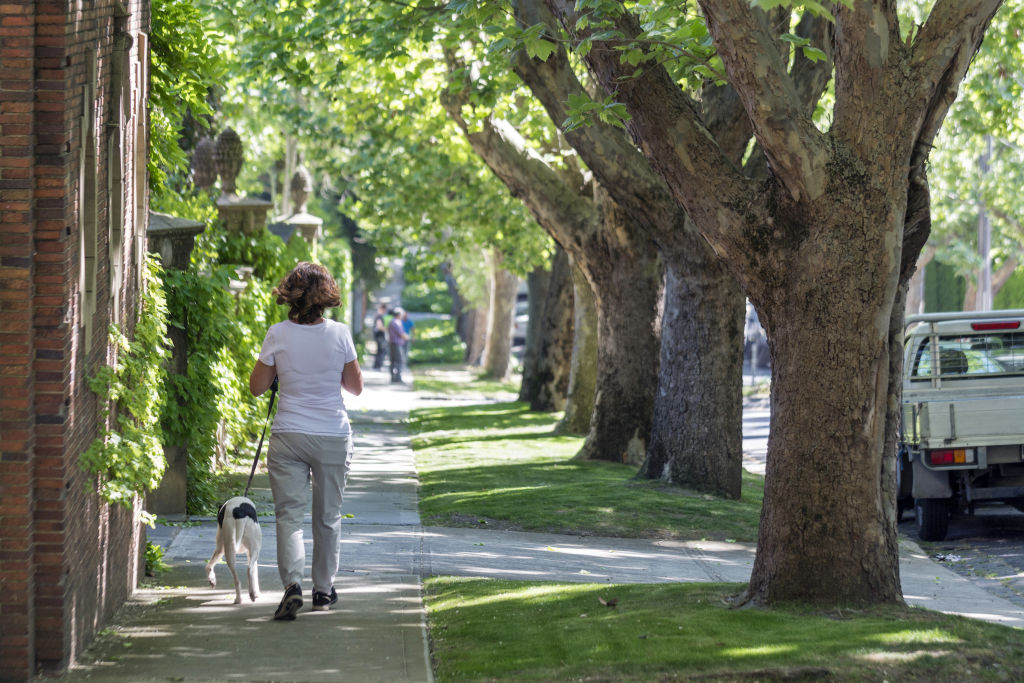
(904, 483)
(932, 518)
(901, 507)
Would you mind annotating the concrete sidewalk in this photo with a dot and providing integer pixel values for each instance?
(377, 632)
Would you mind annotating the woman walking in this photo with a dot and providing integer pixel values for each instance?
(311, 439)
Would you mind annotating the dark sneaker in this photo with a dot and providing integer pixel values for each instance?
(290, 603)
(323, 601)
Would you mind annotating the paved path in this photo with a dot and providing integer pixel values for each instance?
(187, 631)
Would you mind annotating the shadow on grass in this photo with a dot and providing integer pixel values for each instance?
(551, 631)
(583, 498)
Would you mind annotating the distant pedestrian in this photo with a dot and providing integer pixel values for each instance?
(407, 326)
(396, 341)
(380, 337)
(311, 438)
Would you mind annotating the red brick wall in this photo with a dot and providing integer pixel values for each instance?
(67, 561)
(17, 414)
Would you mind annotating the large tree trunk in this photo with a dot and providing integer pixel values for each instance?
(827, 531)
(627, 286)
(476, 332)
(503, 305)
(458, 303)
(549, 386)
(537, 289)
(915, 288)
(696, 432)
(696, 438)
(579, 405)
(998, 280)
(600, 240)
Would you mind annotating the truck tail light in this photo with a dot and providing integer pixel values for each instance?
(951, 456)
(1008, 325)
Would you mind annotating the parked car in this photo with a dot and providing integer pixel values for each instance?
(962, 426)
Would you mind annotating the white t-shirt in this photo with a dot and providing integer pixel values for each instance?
(309, 360)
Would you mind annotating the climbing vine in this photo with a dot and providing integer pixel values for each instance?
(224, 312)
(128, 454)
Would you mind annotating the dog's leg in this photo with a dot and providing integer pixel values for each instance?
(229, 557)
(217, 553)
(253, 550)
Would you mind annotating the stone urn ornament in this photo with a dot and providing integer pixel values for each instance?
(204, 164)
(301, 187)
(228, 158)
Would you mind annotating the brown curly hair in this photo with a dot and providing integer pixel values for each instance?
(308, 289)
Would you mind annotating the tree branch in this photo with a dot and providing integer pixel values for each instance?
(613, 158)
(1003, 273)
(865, 35)
(795, 149)
(684, 153)
(942, 53)
(560, 209)
(1013, 222)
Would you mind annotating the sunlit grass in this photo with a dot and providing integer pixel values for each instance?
(501, 465)
(435, 341)
(461, 380)
(485, 629)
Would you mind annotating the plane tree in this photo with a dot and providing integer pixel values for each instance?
(696, 434)
(823, 248)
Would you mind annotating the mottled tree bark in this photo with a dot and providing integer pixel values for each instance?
(579, 405)
(498, 349)
(594, 234)
(700, 385)
(476, 332)
(695, 435)
(458, 304)
(552, 319)
(537, 288)
(628, 339)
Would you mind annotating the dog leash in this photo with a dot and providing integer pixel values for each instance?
(270, 408)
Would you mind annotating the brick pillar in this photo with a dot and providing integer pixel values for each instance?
(17, 273)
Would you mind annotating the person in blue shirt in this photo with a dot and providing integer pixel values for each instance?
(396, 342)
(407, 326)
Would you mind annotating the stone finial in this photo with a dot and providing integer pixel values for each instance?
(228, 157)
(301, 187)
(204, 164)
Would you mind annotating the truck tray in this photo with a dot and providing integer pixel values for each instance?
(965, 422)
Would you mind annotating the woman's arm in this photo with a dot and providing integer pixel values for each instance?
(261, 378)
(352, 378)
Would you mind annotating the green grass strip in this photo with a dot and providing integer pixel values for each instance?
(498, 465)
(497, 630)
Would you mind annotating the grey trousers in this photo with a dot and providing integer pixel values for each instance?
(294, 459)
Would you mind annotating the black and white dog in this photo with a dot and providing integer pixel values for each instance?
(238, 530)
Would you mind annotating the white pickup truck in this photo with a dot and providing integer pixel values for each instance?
(962, 427)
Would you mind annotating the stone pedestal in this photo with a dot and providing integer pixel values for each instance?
(173, 238)
(308, 225)
(244, 215)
